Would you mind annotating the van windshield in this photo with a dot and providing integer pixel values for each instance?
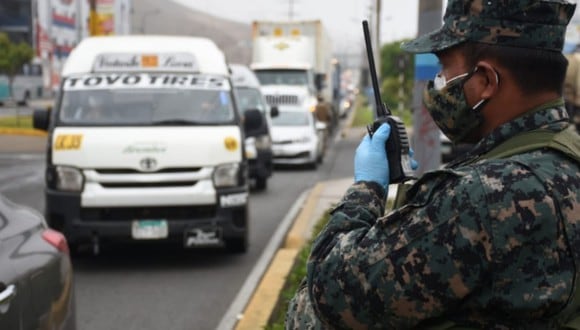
(283, 77)
(143, 100)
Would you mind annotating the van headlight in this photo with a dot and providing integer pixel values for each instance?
(263, 142)
(226, 175)
(67, 178)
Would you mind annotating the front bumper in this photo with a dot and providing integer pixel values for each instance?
(294, 153)
(83, 224)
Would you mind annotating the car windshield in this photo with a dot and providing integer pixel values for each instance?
(292, 118)
(282, 77)
(250, 98)
(143, 99)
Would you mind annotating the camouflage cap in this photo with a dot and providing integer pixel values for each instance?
(539, 24)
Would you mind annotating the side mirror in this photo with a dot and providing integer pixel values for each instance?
(320, 126)
(250, 147)
(253, 120)
(274, 112)
(41, 118)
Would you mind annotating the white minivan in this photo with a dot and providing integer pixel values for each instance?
(146, 143)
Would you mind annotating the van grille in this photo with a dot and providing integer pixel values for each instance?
(147, 184)
(132, 171)
(274, 100)
(145, 213)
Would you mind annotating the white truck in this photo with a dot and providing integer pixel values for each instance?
(293, 61)
(146, 144)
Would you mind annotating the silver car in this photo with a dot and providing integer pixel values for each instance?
(297, 138)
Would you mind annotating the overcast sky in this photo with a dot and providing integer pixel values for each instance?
(342, 18)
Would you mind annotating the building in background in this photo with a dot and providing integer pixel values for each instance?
(54, 27)
(16, 20)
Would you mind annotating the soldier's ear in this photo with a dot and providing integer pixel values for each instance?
(490, 79)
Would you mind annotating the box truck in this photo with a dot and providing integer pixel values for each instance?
(294, 63)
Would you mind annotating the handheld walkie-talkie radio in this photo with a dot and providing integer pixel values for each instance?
(397, 145)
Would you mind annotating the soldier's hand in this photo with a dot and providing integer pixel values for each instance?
(370, 160)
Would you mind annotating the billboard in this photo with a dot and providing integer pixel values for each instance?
(59, 25)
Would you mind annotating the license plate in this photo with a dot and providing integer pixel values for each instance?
(202, 237)
(149, 229)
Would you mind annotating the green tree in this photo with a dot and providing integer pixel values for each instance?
(397, 74)
(12, 57)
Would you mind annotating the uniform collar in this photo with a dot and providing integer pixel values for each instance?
(551, 115)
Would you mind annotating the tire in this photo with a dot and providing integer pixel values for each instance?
(313, 165)
(261, 183)
(237, 245)
(76, 250)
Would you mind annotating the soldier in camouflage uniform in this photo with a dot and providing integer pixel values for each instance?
(493, 239)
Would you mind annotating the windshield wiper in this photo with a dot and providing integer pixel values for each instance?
(175, 122)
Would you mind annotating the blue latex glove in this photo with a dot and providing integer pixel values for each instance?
(370, 160)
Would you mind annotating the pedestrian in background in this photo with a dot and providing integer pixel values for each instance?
(492, 241)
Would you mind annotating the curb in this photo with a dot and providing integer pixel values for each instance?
(22, 131)
(263, 301)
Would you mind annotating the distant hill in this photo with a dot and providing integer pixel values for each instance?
(166, 17)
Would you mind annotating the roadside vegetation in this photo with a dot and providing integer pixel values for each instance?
(16, 122)
(12, 57)
(364, 115)
(294, 278)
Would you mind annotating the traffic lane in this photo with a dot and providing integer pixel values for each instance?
(22, 178)
(187, 289)
(152, 287)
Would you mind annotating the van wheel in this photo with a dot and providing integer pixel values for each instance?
(261, 183)
(237, 245)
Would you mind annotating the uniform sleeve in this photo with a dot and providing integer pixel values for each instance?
(397, 270)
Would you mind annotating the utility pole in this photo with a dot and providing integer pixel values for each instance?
(93, 19)
(426, 141)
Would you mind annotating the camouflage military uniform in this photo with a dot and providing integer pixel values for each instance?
(481, 245)
(484, 243)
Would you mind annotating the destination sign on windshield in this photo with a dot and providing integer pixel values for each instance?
(145, 80)
(173, 62)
